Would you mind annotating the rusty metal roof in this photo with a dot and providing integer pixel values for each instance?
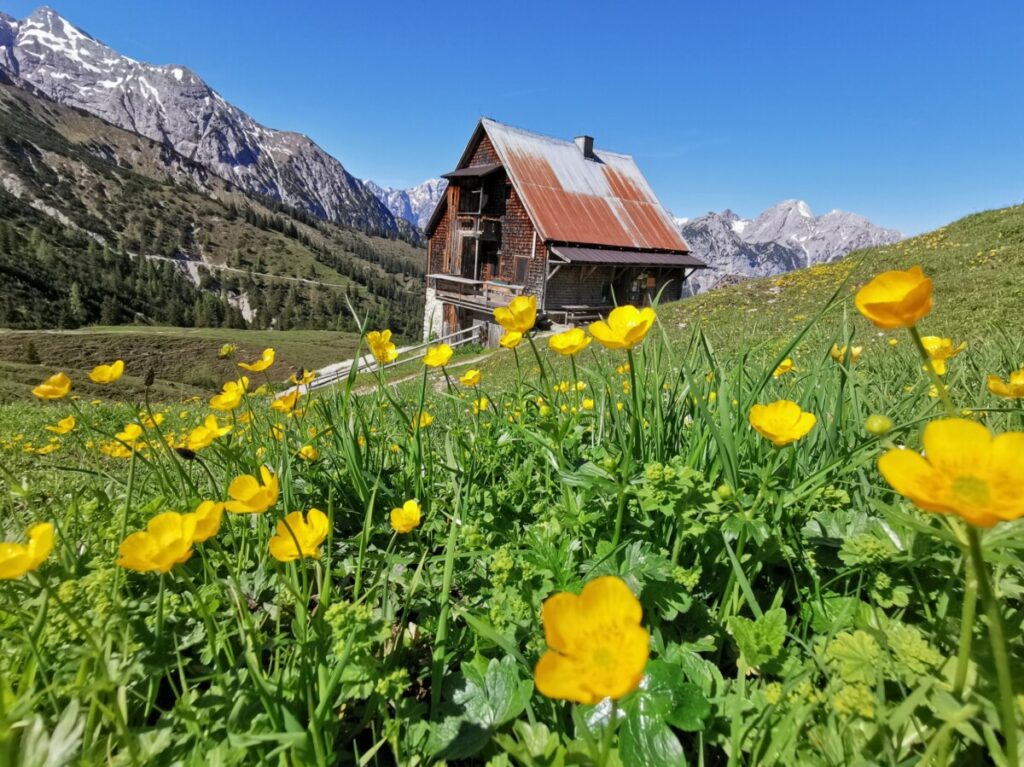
(604, 200)
(576, 255)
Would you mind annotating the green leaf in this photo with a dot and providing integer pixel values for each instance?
(645, 738)
(691, 709)
(759, 641)
(494, 697)
(857, 656)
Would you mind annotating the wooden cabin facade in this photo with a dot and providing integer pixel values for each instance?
(526, 214)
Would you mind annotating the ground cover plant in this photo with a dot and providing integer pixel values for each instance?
(635, 550)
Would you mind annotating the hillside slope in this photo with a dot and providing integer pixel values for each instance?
(81, 185)
(977, 264)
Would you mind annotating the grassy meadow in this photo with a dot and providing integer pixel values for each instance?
(588, 559)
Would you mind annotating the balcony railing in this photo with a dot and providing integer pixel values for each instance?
(474, 294)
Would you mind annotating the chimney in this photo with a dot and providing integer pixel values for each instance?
(586, 145)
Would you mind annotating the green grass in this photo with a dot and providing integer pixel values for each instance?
(800, 612)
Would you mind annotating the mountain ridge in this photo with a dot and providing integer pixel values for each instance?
(171, 104)
(783, 237)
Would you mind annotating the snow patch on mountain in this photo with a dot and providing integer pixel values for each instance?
(415, 204)
(784, 237)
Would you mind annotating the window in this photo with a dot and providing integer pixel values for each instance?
(471, 199)
(522, 264)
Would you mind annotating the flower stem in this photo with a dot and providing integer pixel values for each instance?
(1007, 704)
(609, 733)
(940, 385)
(966, 632)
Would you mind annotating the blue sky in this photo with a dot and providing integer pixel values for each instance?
(911, 113)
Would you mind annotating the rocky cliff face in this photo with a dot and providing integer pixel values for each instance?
(415, 204)
(173, 105)
(786, 236)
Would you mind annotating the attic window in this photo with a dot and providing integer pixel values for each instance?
(472, 199)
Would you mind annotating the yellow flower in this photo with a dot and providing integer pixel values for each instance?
(207, 517)
(625, 328)
(964, 471)
(878, 425)
(308, 453)
(940, 350)
(63, 426)
(839, 354)
(248, 496)
(623, 369)
(299, 536)
(423, 420)
(587, 404)
(231, 395)
(781, 422)
(286, 402)
(104, 374)
(17, 559)
(1011, 389)
(598, 649)
(55, 387)
(307, 377)
(786, 366)
(407, 518)
(265, 361)
(381, 346)
(226, 351)
(480, 405)
(519, 316)
(569, 342)
(471, 378)
(116, 450)
(152, 421)
(166, 542)
(53, 447)
(437, 356)
(896, 299)
(130, 433)
(894, 342)
(204, 435)
(511, 340)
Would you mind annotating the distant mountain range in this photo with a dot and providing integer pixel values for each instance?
(415, 204)
(784, 237)
(174, 106)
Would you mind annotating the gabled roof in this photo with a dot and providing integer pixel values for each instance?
(601, 200)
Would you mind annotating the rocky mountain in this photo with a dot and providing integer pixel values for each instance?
(174, 106)
(415, 204)
(786, 236)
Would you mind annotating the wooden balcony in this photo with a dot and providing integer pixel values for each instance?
(484, 295)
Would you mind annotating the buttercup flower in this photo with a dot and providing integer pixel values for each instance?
(286, 402)
(207, 516)
(104, 374)
(781, 422)
(1011, 389)
(569, 342)
(406, 518)
(896, 299)
(941, 349)
(964, 471)
(166, 542)
(598, 649)
(299, 536)
(248, 496)
(56, 386)
(130, 433)
(423, 420)
(307, 377)
(587, 404)
(204, 435)
(480, 405)
(231, 395)
(471, 378)
(226, 351)
(786, 366)
(63, 426)
(839, 354)
(625, 328)
(437, 356)
(381, 346)
(265, 361)
(308, 453)
(511, 340)
(519, 316)
(17, 559)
